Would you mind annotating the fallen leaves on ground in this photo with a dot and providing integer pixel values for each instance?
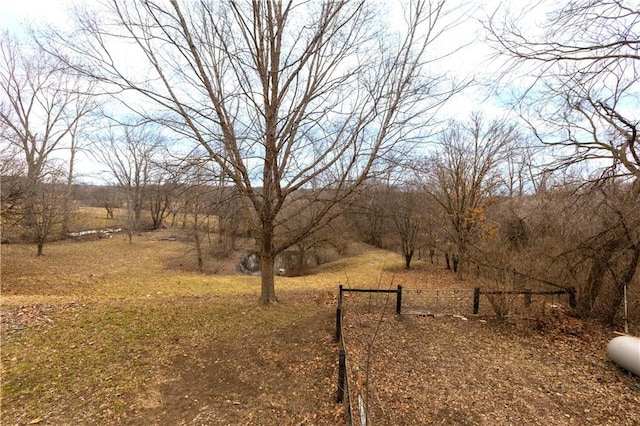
(444, 370)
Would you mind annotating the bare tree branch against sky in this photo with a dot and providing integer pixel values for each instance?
(472, 60)
(283, 96)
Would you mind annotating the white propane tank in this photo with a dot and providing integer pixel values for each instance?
(625, 351)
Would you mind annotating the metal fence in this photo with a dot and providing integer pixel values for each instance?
(437, 302)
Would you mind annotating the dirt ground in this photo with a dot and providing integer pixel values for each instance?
(460, 369)
(285, 376)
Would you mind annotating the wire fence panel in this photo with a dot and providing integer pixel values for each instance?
(437, 302)
(522, 305)
(369, 302)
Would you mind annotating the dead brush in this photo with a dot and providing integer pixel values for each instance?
(500, 305)
(554, 317)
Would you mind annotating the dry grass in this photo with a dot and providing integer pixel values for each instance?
(107, 332)
(83, 218)
(107, 268)
(93, 330)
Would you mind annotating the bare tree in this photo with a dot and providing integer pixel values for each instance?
(583, 103)
(166, 182)
(282, 95)
(47, 199)
(12, 190)
(296, 215)
(407, 212)
(43, 101)
(206, 202)
(368, 213)
(128, 153)
(586, 67)
(613, 251)
(107, 196)
(76, 144)
(231, 222)
(464, 176)
(197, 204)
(48, 207)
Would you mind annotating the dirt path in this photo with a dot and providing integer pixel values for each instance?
(281, 376)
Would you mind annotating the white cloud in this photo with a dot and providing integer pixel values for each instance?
(15, 14)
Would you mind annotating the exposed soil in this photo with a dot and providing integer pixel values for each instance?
(285, 377)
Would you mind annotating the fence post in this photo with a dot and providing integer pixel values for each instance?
(339, 315)
(527, 297)
(399, 300)
(476, 300)
(338, 323)
(342, 368)
(572, 297)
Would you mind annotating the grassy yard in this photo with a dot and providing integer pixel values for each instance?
(110, 332)
(107, 332)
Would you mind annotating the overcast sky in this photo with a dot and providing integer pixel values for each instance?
(14, 12)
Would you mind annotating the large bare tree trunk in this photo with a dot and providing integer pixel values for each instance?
(267, 259)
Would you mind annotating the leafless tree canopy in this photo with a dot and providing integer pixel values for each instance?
(130, 153)
(42, 103)
(465, 175)
(282, 95)
(583, 74)
(581, 98)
